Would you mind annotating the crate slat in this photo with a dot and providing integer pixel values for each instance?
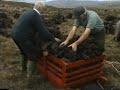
(42, 70)
(83, 80)
(89, 73)
(52, 70)
(57, 60)
(57, 69)
(84, 62)
(56, 80)
(84, 69)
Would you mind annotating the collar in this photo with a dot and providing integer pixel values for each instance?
(36, 11)
(86, 12)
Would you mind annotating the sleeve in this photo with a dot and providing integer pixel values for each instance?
(76, 23)
(43, 33)
(91, 22)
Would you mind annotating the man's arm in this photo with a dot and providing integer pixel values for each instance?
(44, 34)
(71, 33)
(70, 36)
(84, 36)
(81, 39)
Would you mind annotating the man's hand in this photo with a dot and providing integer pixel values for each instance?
(74, 46)
(64, 43)
(57, 40)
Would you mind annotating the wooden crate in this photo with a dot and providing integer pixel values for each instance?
(64, 75)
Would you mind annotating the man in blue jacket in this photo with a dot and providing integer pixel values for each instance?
(24, 33)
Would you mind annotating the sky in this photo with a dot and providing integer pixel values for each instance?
(32, 1)
(57, 0)
(87, 0)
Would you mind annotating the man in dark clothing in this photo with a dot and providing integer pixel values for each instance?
(93, 27)
(24, 33)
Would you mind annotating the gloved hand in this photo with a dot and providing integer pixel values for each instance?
(45, 53)
(57, 40)
(64, 43)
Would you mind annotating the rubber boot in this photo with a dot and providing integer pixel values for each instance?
(31, 66)
(22, 63)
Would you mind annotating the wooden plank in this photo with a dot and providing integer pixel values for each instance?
(84, 62)
(42, 70)
(84, 69)
(79, 76)
(40, 63)
(55, 80)
(57, 69)
(54, 72)
(57, 60)
(83, 80)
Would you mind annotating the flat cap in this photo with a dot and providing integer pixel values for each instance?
(78, 11)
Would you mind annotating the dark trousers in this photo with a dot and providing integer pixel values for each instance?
(100, 39)
(29, 49)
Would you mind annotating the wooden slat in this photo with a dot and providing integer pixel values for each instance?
(83, 80)
(55, 80)
(57, 60)
(40, 63)
(84, 62)
(84, 69)
(54, 72)
(42, 59)
(57, 69)
(89, 73)
(42, 70)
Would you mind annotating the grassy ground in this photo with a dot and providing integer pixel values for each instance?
(13, 79)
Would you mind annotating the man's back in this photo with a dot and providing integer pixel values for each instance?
(94, 21)
(24, 28)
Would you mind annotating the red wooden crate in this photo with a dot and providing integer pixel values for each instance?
(63, 74)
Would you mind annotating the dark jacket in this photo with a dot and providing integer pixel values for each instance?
(28, 25)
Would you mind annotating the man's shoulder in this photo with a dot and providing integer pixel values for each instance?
(90, 12)
(30, 11)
